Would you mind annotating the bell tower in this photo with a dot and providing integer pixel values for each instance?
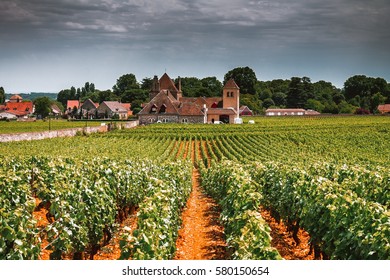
(231, 96)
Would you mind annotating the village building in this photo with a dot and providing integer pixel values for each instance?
(384, 108)
(167, 104)
(17, 107)
(88, 109)
(72, 107)
(245, 111)
(91, 110)
(290, 112)
(112, 109)
(55, 110)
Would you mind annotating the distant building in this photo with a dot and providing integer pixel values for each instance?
(72, 107)
(384, 108)
(7, 116)
(245, 111)
(55, 110)
(110, 109)
(88, 109)
(167, 104)
(290, 112)
(16, 106)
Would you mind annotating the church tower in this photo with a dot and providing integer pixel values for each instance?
(231, 96)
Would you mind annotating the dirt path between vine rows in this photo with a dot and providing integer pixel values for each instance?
(284, 242)
(201, 236)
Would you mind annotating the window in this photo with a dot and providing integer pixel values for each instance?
(230, 94)
(184, 120)
(153, 109)
(152, 120)
(164, 120)
(163, 108)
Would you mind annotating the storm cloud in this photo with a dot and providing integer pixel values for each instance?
(47, 45)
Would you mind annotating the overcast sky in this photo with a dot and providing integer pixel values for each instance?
(49, 45)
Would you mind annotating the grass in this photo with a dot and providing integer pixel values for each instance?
(42, 125)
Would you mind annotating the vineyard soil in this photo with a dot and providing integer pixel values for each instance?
(201, 236)
(284, 242)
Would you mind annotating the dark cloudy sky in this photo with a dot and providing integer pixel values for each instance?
(49, 45)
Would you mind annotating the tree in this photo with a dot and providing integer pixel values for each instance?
(300, 90)
(365, 88)
(213, 86)
(244, 77)
(252, 102)
(146, 84)
(314, 105)
(2, 95)
(42, 106)
(124, 83)
(376, 100)
(346, 108)
(133, 94)
(107, 95)
(136, 106)
(268, 103)
(279, 98)
(65, 95)
(191, 86)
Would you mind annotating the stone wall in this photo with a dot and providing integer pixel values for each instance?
(153, 118)
(27, 136)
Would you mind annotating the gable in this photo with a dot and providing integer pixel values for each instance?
(162, 99)
(167, 83)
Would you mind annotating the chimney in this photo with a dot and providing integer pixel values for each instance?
(179, 93)
(155, 87)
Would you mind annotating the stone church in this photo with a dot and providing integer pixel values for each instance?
(167, 104)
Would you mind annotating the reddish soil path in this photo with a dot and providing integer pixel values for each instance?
(201, 236)
(112, 250)
(283, 241)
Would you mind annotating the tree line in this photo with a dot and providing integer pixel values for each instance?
(360, 94)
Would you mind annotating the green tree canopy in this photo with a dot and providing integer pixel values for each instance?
(244, 77)
(124, 83)
(42, 106)
(2, 95)
(300, 90)
(365, 87)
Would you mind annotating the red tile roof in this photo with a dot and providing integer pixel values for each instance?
(73, 103)
(167, 83)
(231, 84)
(164, 97)
(127, 106)
(20, 108)
(384, 108)
(190, 109)
(220, 111)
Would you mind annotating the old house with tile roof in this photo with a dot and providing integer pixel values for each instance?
(16, 106)
(167, 104)
(88, 109)
(109, 109)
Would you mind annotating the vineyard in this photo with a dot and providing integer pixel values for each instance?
(127, 192)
